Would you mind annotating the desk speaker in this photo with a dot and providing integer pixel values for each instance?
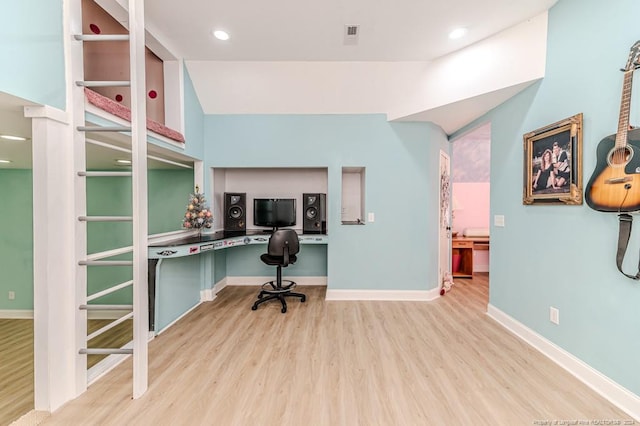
(314, 214)
(235, 211)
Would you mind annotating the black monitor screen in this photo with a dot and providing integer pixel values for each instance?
(274, 212)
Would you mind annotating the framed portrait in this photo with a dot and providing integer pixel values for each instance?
(553, 163)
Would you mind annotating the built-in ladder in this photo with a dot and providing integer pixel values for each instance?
(138, 310)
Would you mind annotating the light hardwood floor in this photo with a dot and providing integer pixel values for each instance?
(16, 368)
(16, 361)
(340, 363)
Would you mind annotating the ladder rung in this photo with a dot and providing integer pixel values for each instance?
(105, 218)
(109, 326)
(105, 351)
(110, 290)
(104, 174)
(105, 263)
(105, 83)
(101, 37)
(104, 128)
(106, 307)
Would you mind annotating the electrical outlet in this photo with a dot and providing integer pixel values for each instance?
(554, 315)
(12, 295)
(371, 217)
(498, 220)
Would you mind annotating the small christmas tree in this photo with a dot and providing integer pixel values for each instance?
(198, 215)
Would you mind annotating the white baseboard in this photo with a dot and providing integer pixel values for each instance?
(16, 313)
(207, 295)
(389, 295)
(255, 281)
(607, 388)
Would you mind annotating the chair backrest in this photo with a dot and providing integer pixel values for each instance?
(281, 240)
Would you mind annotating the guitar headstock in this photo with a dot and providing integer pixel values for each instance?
(634, 57)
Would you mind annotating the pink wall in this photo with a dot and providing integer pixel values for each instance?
(473, 199)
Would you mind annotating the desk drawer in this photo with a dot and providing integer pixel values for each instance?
(462, 244)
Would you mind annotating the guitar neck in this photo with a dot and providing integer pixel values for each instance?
(625, 107)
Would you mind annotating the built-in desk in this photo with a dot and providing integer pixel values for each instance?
(187, 246)
(181, 269)
(464, 248)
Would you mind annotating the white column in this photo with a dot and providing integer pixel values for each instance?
(53, 258)
(140, 207)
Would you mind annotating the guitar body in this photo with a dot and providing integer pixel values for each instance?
(616, 187)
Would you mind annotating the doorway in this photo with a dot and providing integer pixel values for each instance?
(470, 195)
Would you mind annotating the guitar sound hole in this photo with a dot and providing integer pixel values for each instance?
(620, 156)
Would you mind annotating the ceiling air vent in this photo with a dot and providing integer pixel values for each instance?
(351, 34)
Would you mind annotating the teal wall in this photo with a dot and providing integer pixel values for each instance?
(168, 194)
(16, 239)
(564, 256)
(194, 120)
(31, 43)
(399, 250)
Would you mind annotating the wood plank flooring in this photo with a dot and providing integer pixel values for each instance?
(16, 368)
(340, 363)
(16, 361)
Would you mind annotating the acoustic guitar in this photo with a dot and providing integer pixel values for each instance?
(615, 183)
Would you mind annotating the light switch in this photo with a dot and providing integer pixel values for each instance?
(371, 217)
(498, 220)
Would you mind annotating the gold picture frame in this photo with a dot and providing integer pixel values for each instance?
(553, 163)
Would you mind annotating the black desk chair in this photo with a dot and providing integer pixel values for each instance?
(281, 252)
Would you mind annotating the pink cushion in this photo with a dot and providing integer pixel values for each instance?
(123, 112)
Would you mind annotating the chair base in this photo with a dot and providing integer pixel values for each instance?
(273, 291)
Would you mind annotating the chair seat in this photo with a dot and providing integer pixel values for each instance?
(276, 260)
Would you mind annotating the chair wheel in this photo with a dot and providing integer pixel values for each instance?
(283, 310)
(303, 298)
(254, 308)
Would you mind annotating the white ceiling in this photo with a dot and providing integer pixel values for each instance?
(303, 30)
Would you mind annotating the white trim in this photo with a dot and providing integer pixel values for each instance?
(16, 314)
(217, 288)
(178, 319)
(207, 295)
(386, 295)
(255, 281)
(100, 113)
(46, 111)
(607, 388)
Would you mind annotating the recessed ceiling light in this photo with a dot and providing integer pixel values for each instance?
(221, 35)
(5, 161)
(457, 33)
(13, 138)
(123, 161)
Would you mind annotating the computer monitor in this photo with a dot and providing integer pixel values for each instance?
(274, 212)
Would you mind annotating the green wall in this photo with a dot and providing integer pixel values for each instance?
(168, 194)
(16, 239)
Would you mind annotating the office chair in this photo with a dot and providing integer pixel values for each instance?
(281, 252)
